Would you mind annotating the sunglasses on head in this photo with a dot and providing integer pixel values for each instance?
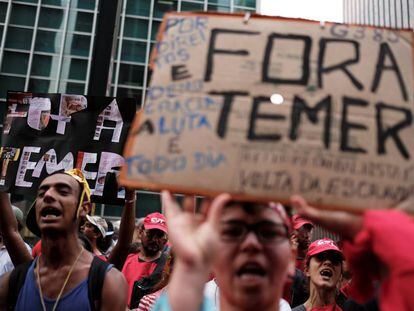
(332, 256)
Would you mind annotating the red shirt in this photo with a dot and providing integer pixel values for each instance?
(134, 269)
(387, 236)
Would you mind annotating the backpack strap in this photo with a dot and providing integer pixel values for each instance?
(96, 280)
(16, 281)
(161, 261)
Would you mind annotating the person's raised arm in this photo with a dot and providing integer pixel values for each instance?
(194, 239)
(9, 228)
(343, 223)
(119, 253)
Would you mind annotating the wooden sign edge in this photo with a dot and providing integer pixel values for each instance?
(255, 16)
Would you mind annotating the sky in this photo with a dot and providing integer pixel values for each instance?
(321, 10)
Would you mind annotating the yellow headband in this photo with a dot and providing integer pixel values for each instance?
(86, 191)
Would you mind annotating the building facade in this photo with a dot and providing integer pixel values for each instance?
(48, 45)
(386, 13)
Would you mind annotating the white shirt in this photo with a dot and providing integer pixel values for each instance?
(211, 291)
(6, 264)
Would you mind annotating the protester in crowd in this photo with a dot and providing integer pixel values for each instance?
(246, 245)
(18, 252)
(153, 236)
(136, 240)
(345, 288)
(109, 241)
(5, 262)
(296, 289)
(148, 301)
(212, 291)
(323, 267)
(301, 238)
(59, 277)
(9, 229)
(95, 229)
(377, 248)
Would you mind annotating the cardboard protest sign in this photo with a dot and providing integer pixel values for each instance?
(343, 136)
(44, 133)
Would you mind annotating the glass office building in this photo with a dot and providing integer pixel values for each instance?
(47, 46)
(387, 13)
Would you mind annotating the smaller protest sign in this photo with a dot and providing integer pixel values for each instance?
(45, 133)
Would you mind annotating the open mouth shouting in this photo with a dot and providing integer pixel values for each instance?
(50, 213)
(251, 272)
(326, 273)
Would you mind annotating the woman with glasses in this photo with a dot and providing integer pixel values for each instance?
(245, 245)
(323, 267)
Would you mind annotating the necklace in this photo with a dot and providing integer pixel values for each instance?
(64, 283)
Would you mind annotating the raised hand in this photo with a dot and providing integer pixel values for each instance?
(343, 223)
(194, 236)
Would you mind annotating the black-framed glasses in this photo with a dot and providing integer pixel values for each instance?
(267, 232)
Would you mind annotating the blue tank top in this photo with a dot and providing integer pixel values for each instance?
(29, 299)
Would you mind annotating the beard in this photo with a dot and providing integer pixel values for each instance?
(151, 248)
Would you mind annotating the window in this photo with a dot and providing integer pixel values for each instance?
(149, 76)
(18, 38)
(138, 7)
(131, 93)
(23, 15)
(62, 3)
(133, 51)
(3, 11)
(43, 65)
(189, 6)
(220, 2)
(113, 210)
(48, 41)
(14, 62)
(51, 18)
(78, 44)
(246, 3)
(73, 68)
(131, 74)
(84, 4)
(218, 8)
(10, 84)
(148, 203)
(154, 30)
(72, 88)
(244, 10)
(41, 86)
(163, 6)
(83, 21)
(29, 1)
(136, 28)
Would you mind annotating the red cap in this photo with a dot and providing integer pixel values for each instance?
(155, 221)
(322, 245)
(299, 221)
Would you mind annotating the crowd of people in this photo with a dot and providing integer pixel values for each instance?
(225, 255)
